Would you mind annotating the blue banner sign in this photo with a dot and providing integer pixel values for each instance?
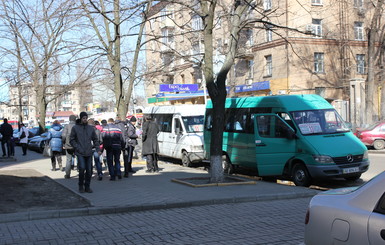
(253, 87)
(178, 87)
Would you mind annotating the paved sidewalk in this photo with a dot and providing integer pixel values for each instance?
(146, 191)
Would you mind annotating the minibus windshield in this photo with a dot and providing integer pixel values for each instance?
(193, 124)
(319, 122)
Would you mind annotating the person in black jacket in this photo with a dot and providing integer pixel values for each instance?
(83, 139)
(131, 142)
(113, 142)
(150, 147)
(70, 153)
(6, 131)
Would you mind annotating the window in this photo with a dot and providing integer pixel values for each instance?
(269, 33)
(358, 31)
(267, 5)
(197, 23)
(246, 37)
(244, 68)
(269, 65)
(195, 48)
(317, 27)
(271, 127)
(167, 59)
(318, 62)
(316, 2)
(358, 3)
(167, 36)
(360, 60)
(251, 69)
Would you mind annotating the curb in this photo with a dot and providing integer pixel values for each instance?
(67, 213)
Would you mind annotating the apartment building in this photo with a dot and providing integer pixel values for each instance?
(323, 51)
(73, 101)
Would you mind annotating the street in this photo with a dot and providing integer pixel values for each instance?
(260, 222)
(263, 222)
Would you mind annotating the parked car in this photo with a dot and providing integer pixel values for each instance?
(354, 215)
(37, 143)
(373, 136)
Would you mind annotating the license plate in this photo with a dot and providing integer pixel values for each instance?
(350, 170)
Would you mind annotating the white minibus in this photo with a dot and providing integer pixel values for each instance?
(181, 131)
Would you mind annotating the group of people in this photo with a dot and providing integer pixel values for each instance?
(7, 139)
(87, 139)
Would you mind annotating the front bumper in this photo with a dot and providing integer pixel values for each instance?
(330, 171)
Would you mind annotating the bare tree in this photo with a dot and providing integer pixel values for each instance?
(42, 46)
(113, 15)
(373, 38)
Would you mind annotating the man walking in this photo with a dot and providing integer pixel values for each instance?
(150, 148)
(7, 131)
(70, 153)
(83, 138)
(113, 143)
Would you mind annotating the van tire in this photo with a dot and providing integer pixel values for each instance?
(378, 144)
(186, 160)
(300, 175)
(228, 168)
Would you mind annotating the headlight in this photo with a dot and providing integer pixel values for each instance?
(196, 148)
(323, 159)
(365, 156)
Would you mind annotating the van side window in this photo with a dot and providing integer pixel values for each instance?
(164, 122)
(286, 118)
(271, 127)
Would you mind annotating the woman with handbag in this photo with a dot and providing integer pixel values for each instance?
(56, 144)
(23, 138)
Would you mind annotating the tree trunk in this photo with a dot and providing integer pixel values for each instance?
(370, 88)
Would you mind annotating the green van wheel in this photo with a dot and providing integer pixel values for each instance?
(300, 175)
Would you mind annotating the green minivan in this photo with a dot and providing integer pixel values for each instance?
(298, 137)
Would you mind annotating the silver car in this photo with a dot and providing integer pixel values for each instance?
(354, 215)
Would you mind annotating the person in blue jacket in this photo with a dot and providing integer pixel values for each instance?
(56, 143)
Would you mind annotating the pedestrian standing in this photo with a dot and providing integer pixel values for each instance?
(95, 153)
(70, 152)
(123, 127)
(104, 154)
(113, 143)
(150, 147)
(83, 138)
(6, 131)
(131, 142)
(54, 138)
(23, 135)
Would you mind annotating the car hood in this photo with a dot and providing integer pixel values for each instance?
(336, 145)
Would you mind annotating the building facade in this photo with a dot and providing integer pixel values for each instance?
(72, 101)
(296, 47)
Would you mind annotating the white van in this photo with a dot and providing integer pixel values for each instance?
(181, 131)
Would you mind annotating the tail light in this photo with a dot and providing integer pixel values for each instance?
(307, 217)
